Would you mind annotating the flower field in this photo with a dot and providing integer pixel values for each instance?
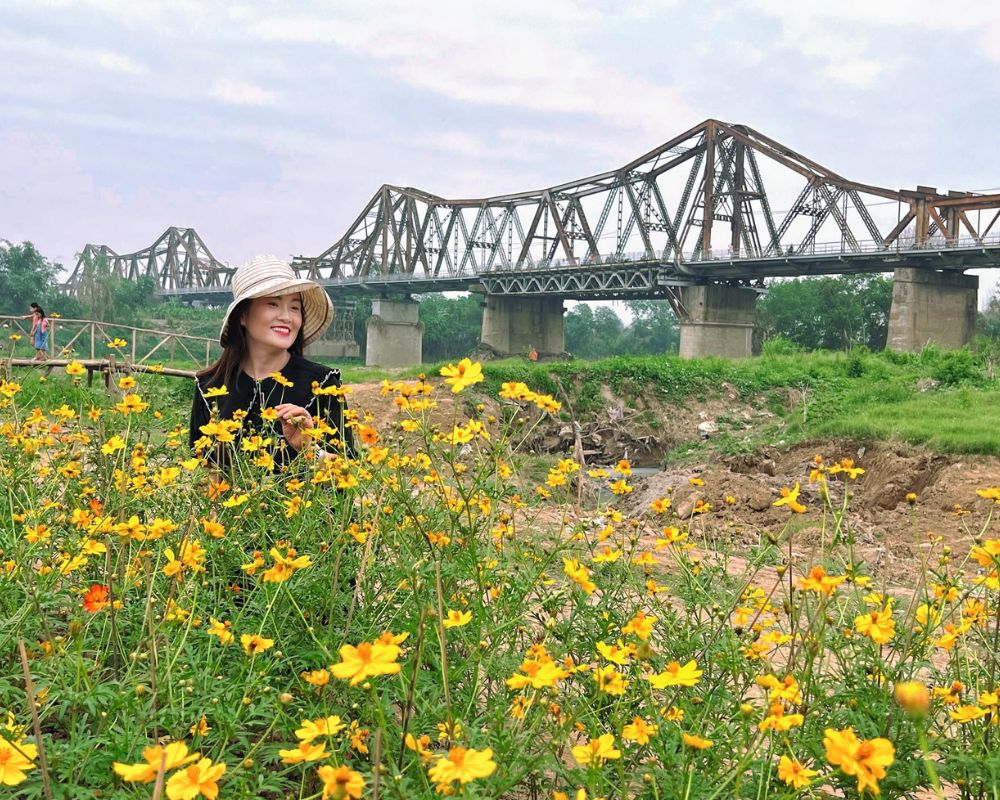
(423, 620)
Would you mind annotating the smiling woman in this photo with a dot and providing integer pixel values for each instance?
(262, 391)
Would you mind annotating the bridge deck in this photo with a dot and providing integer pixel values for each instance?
(638, 276)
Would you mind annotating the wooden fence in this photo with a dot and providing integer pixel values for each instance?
(89, 339)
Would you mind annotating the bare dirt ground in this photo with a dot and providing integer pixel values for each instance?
(891, 533)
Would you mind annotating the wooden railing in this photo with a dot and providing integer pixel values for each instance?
(89, 339)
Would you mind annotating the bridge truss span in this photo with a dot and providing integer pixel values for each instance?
(177, 260)
(717, 192)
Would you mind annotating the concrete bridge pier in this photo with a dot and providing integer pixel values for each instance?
(514, 325)
(929, 306)
(395, 333)
(719, 321)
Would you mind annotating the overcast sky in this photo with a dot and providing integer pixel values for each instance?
(267, 126)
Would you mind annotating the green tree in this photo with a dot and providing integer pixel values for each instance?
(988, 320)
(593, 332)
(107, 297)
(26, 276)
(828, 313)
(452, 326)
(654, 328)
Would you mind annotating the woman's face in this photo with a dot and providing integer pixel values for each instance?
(273, 322)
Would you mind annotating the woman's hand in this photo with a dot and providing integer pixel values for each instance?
(294, 419)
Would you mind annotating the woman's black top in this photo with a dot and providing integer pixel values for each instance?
(252, 396)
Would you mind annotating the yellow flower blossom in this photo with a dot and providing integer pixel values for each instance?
(462, 375)
(867, 760)
(462, 765)
(366, 660)
(676, 675)
(596, 751)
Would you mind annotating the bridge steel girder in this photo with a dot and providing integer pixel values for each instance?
(177, 259)
(714, 172)
(622, 232)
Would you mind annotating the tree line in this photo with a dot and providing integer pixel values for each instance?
(814, 313)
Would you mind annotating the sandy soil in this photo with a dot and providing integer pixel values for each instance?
(891, 533)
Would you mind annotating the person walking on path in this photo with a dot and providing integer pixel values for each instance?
(262, 379)
(39, 332)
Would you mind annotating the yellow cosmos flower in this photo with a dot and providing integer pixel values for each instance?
(641, 625)
(16, 760)
(316, 677)
(819, 581)
(314, 728)
(515, 390)
(965, 714)
(596, 751)
(697, 742)
(113, 445)
(366, 660)
(661, 505)
(341, 782)
(306, 751)
(196, 779)
(539, 673)
(795, 774)
(220, 630)
(676, 675)
(456, 619)
(285, 567)
(75, 368)
(217, 391)
(131, 404)
(877, 625)
(790, 498)
(778, 720)
(639, 731)
(254, 644)
(463, 765)
(609, 680)
(867, 760)
(987, 554)
(172, 756)
(462, 375)
(579, 574)
(913, 697)
(281, 380)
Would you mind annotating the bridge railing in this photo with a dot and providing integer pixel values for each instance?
(90, 339)
(898, 246)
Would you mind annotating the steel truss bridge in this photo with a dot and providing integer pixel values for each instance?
(718, 203)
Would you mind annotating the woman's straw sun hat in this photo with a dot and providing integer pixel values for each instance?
(269, 276)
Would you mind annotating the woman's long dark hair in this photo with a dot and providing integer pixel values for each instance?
(40, 311)
(224, 371)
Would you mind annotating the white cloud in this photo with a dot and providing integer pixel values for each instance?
(860, 73)
(523, 56)
(118, 63)
(39, 47)
(832, 31)
(243, 93)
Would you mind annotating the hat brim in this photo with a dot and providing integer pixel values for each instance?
(317, 307)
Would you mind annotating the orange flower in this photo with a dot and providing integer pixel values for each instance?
(96, 599)
(819, 581)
